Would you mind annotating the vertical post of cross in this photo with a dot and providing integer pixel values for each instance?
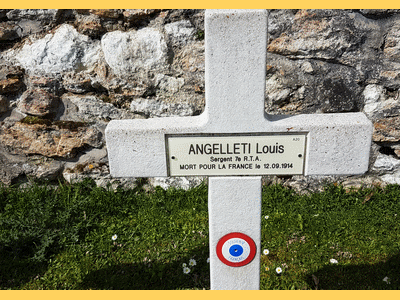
(235, 84)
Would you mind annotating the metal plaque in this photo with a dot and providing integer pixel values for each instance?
(224, 155)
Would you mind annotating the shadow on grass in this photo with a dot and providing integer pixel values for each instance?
(16, 271)
(153, 275)
(358, 277)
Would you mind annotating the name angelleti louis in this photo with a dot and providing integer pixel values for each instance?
(235, 148)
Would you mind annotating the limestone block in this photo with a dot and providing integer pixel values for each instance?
(180, 32)
(63, 50)
(387, 130)
(323, 34)
(91, 108)
(392, 43)
(32, 14)
(127, 52)
(38, 102)
(49, 140)
(158, 108)
(386, 163)
(185, 183)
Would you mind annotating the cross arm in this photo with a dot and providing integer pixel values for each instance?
(337, 144)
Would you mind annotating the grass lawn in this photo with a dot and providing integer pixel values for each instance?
(85, 237)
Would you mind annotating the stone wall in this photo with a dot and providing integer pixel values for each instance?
(64, 74)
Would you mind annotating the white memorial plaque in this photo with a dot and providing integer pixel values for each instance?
(221, 155)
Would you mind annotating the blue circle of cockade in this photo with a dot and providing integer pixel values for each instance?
(236, 250)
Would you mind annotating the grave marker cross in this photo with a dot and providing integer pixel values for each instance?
(235, 127)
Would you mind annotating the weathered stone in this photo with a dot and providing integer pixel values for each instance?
(38, 102)
(128, 52)
(63, 50)
(9, 172)
(338, 96)
(279, 20)
(49, 84)
(387, 130)
(8, 32)
(391, 48)
(10, 85)
(325, 87)
(4, 104)
(11, 166)
(51, 141)
(386, 163)
(106, 13)
(379, 13)
(191, 59)
(154, 108)
(95, 157)
(33, 14)
(134, 15)
(29, 27)
(49, 170)
(10, 71)
(323, 34)
(168, 84)
(184, 183)
(91, 108)
(90, 25)
(377, 105)
(276, 89)
(391, 178)
(180, 33)
(81, 86)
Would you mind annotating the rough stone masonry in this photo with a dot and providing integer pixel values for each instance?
(64, 74)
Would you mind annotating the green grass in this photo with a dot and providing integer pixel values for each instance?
(62, 238)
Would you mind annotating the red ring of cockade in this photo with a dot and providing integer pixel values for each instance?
(239, 235)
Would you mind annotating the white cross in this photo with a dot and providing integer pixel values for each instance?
(329, 144)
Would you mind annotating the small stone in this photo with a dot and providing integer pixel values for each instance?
(91, 107)
(46, 15)
(373, 94)
(386, 163)
(49, 84)
(38, 102)
(77, 85)
(49, 170)
(10, 85)
(185, 183)
(10, 71)
(191, 59)
(106, 13)
(8, 32)
(90, 25)
(392, 42)
(307, 67)
(158, 108)
(4, 104)
(180, 32)
(387, 130)
(134, 15)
